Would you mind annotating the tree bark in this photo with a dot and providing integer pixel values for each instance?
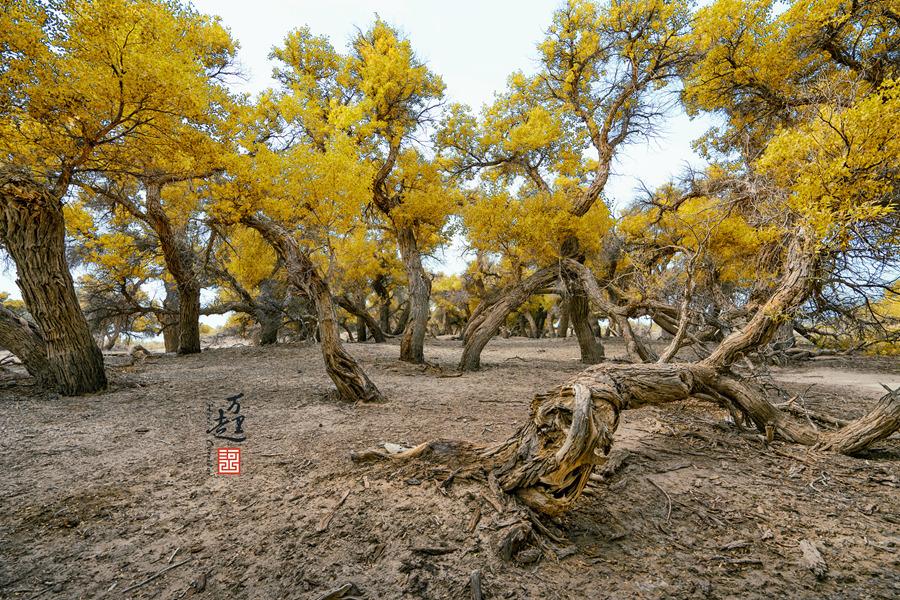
(25, 342)
(402, 319)
(496, 316)
(32, 229)
(189, 317)
(548, 461)
(562, 329)
(170, 326)
(269, 325)
(178, 263)
(363, 315)
(352, 383)
(412, 344)
(384, 304)
(591, 349)
(795, 287)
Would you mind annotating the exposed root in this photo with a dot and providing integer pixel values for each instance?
(549, 460)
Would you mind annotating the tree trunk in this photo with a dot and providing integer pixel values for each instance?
(496, 316)
(562, 329)
(548, 461)
(792, 292)
(24, 340)
(384, 304)
(32, 229)
(178, 263)
(269, 325)
(189, 318)
(535, 333)
(402, 319)
(363, 315)
(580, 311)
(170, 327)
(352, 383)
(412, 344)
(637, 351)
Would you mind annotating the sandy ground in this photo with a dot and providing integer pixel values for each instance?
(102, 493)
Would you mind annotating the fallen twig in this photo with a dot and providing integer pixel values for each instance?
(326, 518)
(155, 576)
(668, 500)
(476, 585)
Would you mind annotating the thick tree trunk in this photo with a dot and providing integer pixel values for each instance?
(352, 383)
(32, 230)
(189, 318)
(362, 315)
(496, 316)
(170, 326)
(591, 349)
(24, 340)
(269, 325)
(412, 344)
(178, 262)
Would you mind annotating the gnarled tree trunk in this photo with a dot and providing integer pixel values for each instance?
(362, 316)
(591, 349)
(178, 264)
(412, 344)
(24, 340)
(32, 230)
(495, 316)
(352, 383)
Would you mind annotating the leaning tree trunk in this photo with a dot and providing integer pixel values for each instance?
(412, 344)
(362, 316)
(177, 259)
(32, 229)
(25, 342)
(352, 383)
(591, 349)
(496, 316)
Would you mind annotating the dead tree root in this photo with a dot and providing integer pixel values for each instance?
(547, 462)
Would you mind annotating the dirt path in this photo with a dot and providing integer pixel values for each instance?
(99, 494)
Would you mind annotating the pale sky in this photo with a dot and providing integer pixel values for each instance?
(473, 45)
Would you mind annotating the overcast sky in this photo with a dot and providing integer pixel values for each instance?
(473, 45)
